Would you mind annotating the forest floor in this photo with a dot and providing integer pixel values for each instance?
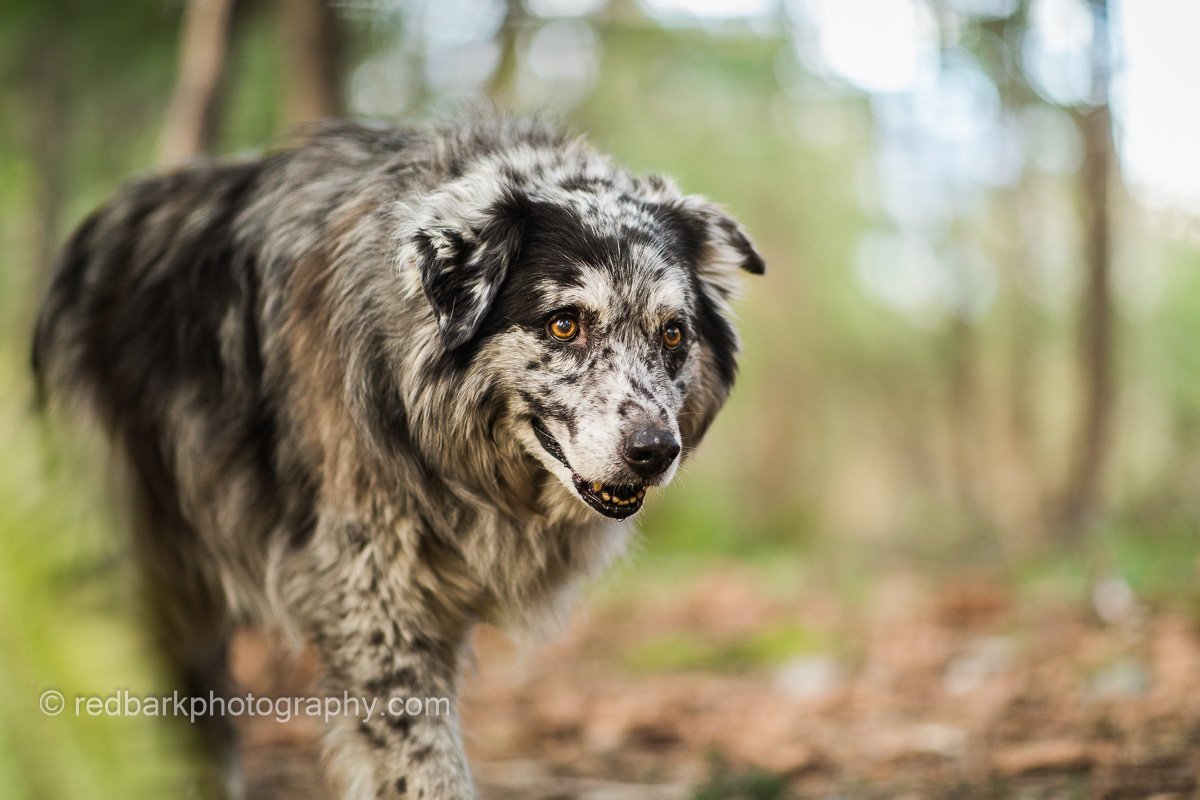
(719, 687)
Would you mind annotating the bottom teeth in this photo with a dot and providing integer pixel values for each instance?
(610, 496)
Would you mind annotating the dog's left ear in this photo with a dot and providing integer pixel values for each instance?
(464, 255)
(719, 247)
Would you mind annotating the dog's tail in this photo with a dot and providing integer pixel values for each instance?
(86, 312)
(126, 303)
(50, 334)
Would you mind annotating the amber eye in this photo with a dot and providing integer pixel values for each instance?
(672, 336)
(563, 327)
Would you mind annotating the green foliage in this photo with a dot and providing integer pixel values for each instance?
(727, 783)
(1161, 561)
(65, 625)
(756, 649)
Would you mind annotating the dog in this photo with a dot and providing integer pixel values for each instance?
(384, 384)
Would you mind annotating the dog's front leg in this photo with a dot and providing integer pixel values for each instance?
(406, 742)
(397, 649)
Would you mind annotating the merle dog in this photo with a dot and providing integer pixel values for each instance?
(384, 384)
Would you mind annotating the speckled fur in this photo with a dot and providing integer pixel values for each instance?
(323, 364)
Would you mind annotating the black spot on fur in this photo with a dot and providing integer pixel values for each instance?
(402, 785)
(421, 644)
(675, 359)
(717, 332)
(380, 408)
(644, 392)
(300, 519)
(547, 410)
(355, 537)
(376, 741)
(583, 183)
(402, 678)
(656, 183)
(512, 176)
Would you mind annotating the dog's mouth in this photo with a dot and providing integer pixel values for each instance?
(611, 500)
(616, 501)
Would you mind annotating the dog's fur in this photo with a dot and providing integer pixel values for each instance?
(330, 372)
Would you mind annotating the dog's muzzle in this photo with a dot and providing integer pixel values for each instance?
(648, 454)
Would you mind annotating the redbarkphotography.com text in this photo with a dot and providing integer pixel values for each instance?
(124, 703)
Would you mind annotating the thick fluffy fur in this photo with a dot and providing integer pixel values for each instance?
(331, 374)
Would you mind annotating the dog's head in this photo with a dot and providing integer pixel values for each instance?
(597, 306)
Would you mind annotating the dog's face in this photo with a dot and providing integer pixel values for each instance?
(597, 306)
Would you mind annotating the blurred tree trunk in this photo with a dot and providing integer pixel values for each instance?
(1031, 501)
(1081, 493)
(1026, 493)
(47, 147)
(191, 122)
(965, 412)
(963, 417)
(312, 50)
(502, 89)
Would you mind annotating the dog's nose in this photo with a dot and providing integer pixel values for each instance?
(649, 451)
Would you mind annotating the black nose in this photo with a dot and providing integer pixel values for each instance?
(649, 451)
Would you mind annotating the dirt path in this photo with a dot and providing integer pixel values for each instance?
(721, 690)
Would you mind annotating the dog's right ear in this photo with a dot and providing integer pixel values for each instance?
(463, 255)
